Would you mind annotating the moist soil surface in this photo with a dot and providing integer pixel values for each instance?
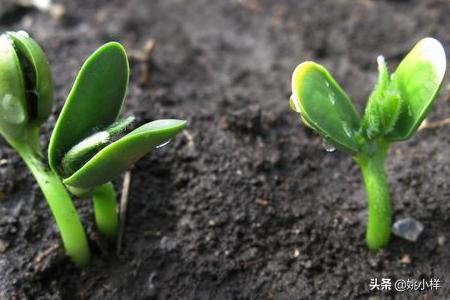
(246, 203)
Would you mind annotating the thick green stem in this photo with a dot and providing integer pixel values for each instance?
(105, 210)
(61, 205)
(380, 211)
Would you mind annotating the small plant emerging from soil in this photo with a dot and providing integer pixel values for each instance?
(88, 147)
(395, 109)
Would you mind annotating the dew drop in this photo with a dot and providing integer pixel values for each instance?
(13, 112)
(327, 146)
(327, 84)
(348, 131)
(163, 144)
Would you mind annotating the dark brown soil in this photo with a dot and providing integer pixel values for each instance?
(252, 207)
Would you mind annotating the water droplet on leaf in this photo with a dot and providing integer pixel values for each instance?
(327, 146)
(163, 144)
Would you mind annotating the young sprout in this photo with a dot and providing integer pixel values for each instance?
(86, 149)
(26, 96)
(395, 109)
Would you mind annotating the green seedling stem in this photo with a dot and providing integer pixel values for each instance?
(105, 210)
(394, 111)
(58, 199)
(88, 147)
(379, 202)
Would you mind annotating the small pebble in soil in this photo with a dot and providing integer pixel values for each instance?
(3, 246)
(441, 240)
(375, 263)
(151, 286)
(308, 264)
(408, 229)
(167, 243)
(57, 11)
(406, 259)
(261, 202)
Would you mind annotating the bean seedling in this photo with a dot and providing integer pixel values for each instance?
(395, 109)
(88, 147)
